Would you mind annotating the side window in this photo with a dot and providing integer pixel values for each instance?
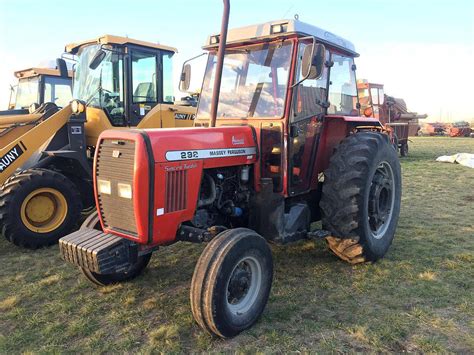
(57, 90)
(168, 95)
(343, 88)
(144, 77)
(311, 93)
(374, 92)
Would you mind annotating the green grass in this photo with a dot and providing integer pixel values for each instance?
(420, 298)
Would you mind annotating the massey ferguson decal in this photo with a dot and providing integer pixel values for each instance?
(184, 116)
(176, 155)
(10, 157)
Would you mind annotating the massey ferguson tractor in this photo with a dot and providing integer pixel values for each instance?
(277, 144)
(46, 156)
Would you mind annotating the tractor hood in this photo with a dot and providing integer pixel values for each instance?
(208, 144)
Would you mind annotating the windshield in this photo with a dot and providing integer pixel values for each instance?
(27, 92)
(254, 81)
(101, 87)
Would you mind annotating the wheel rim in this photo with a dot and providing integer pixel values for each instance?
(44, 210)
(381, 200)
(244, 285)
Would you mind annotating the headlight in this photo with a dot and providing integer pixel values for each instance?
(124, 190)
(77, 107)
(104, 187)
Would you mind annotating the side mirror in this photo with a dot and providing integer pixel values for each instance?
(97, 59)
(61, 65)
(185, 79)
(312, 64)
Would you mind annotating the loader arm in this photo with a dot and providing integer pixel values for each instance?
(19, 150)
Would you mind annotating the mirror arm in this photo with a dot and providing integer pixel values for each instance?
(312, 55)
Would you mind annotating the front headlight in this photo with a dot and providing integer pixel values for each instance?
(104, 186)
(124, 190)
(77, 107)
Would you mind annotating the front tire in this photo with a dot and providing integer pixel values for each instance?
(360, 203)
(92, 221)
(37, 207)
(231, 282)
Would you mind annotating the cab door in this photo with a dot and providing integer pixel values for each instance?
(144, 78)
(309, 99)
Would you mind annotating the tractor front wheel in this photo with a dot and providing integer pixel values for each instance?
(92, 221)
(404, 149)
(231, 282)
(37, 207)
(360, 202)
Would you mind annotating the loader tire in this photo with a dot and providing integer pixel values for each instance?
(361, 195)
(37, 207)
(231, 282)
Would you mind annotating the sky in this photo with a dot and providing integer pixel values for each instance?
(422, 51)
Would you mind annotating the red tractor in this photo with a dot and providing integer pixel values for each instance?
(278, 144)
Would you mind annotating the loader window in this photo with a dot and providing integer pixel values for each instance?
(57, 90)
(168, 96)
(27, 92)
(343, 88)
(144, 77)
(101, 87)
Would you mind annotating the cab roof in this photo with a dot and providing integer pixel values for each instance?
(31, 72)
(282, 28)
(73, 48)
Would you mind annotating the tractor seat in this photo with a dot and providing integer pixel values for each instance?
(145, 92)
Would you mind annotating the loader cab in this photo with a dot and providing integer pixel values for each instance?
(371, 97)
(121, 77)
(286, 79)
(40, 85)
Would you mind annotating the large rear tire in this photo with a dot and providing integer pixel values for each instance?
(107, 279)
(231, 282)
(360, 203)
(37, 207)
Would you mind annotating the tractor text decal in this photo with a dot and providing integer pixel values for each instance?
(10, 157)
(209, 153)
(184, 116)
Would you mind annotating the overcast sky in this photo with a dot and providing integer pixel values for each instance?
(423, 51)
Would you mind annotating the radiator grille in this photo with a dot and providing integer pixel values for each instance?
(176, 186)
(115, 163)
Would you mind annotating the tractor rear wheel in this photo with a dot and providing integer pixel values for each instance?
(231, 282)
(360, 202)
(37, 207)
(107, 279)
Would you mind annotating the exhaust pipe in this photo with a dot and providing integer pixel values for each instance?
(220, 62)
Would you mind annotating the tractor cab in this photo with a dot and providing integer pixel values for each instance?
(371, 98)
(37, 86)
(289, 80)
(121, 80)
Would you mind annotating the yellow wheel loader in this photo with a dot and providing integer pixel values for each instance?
(38, 86)
(46, 156)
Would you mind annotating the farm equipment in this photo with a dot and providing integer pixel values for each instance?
(277, 144)
(391, 111)
(459, 129)
(38, 86)
(46, 156)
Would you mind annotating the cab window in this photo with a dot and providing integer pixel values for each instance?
(168, 95)
(342, 88)
(57, 90)
(144, 77)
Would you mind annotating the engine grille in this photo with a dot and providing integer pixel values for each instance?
(115, 163)
(176, 185)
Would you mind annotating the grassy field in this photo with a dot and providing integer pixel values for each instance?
(420, 298)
